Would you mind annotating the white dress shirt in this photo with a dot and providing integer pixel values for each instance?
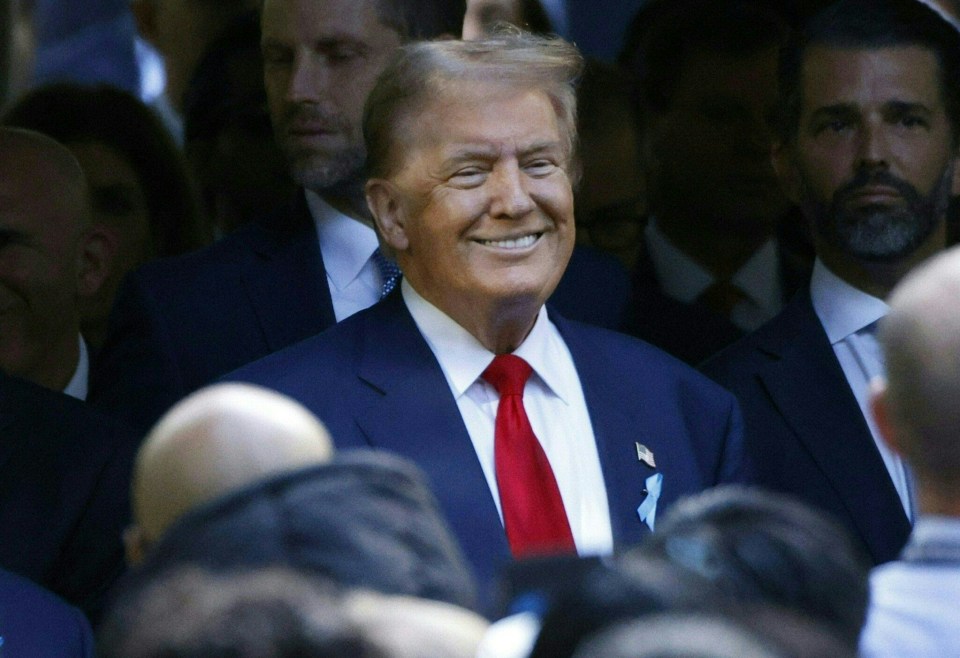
(849, 317)
(77, 386)
(553, 400)
(346, 246)
(913, 603)
(684, 279)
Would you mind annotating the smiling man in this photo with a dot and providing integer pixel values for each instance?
(539, 434)
(868, 148)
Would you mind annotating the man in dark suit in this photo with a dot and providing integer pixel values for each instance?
(180, 324)
(471, 149)
(870, 99)
(711, 268)
(64, 494)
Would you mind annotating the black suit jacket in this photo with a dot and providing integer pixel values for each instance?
(64, 492)
(180, 323)
(804, 428)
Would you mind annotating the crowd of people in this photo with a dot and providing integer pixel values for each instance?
(399, 328)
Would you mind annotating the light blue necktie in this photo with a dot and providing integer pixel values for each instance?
(389, 272)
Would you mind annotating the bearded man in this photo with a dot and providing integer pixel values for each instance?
(870, 108)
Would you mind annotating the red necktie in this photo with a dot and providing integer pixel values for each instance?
(533, 514)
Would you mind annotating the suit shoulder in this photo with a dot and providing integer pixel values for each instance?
(762, 346)
(635, 362)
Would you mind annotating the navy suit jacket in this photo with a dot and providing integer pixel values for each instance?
(374, 382)
(64, 492)
(804, 428)
(180, 323)
(35, 623)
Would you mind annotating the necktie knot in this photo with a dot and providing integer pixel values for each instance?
(722, 296)
(389, 272)
(508, 374)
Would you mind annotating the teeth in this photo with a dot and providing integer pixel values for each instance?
(519, 243)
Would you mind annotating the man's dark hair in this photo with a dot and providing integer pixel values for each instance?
(759, 547)
(665, 34)
(416, 20)
(271, 613)
(871, 24)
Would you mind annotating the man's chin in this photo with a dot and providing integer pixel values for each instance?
(327, 174)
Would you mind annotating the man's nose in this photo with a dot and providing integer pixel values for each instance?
(510, 196)
(872, 146)
(308, 78)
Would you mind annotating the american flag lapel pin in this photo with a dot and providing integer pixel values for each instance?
(645, 455)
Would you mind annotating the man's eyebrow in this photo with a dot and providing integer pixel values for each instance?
(835, 110)
(900, 108)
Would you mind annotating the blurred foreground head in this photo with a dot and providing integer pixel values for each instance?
(217, 440)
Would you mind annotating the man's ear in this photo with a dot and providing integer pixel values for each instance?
(880, 409)
(145, 18)
(135, 545)
(98, 251)
(383, 199)
(785, 166)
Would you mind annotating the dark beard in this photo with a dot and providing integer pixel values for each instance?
(877, 233)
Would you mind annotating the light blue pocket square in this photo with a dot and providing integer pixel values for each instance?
(648, 508)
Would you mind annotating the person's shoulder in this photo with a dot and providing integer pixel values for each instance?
(632, 362)
(766, 344)
(36, 620)
(57, 416)
(323, 354)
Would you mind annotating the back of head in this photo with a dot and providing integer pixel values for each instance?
(607, 593)
(409, 627)
(920, 338)
(706, 635)
(871, 24)
(269, 613)
(217, 440)
(424, 72)
(756, 546)
(365, 519)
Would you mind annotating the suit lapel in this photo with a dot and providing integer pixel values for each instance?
(286, 280)
(623, 474)
(416, 416)
(809, 389)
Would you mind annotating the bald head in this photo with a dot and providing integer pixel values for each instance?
(44, 227)
(921, 342)
(217, 440)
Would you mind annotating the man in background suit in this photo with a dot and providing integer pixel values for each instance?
(870, 99)
(913, 602)
(180, 324)
(711, 269)
(64, 494)
(471, 149)
(51, 261)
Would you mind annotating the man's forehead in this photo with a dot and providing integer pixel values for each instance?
(321, 20)
(834, 74)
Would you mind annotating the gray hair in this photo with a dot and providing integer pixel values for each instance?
(427, 70)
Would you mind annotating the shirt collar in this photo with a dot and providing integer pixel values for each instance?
(77, 387)
(684, 279)
(463, 359)
(843, 309)
(345, 243)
